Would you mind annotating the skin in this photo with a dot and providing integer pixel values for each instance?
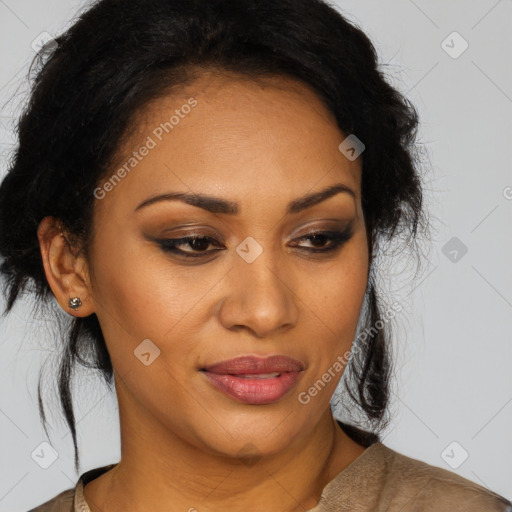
(262, 144)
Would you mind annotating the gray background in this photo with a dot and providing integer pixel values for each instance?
(453, 382)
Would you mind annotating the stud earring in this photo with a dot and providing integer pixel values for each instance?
(74, 303)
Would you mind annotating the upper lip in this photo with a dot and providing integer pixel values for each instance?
(256, 365)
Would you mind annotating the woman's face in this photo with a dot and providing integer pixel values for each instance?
(254, 284)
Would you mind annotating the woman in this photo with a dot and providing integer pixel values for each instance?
(203, 186)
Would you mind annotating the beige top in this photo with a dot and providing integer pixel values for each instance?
(379, 480)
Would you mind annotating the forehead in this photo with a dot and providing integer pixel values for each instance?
(227, 134)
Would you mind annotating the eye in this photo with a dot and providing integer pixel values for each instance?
(319, 239)
(197, 243)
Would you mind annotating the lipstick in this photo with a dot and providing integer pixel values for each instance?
(255, 380)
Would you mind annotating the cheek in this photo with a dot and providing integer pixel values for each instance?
(130, 296)
(335, 308)
(341, 288)
(141, 295)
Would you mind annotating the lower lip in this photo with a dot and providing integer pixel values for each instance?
(252, 390)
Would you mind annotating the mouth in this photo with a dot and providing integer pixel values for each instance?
(254, 380)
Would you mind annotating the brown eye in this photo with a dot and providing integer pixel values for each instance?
(199, 245)
(319, 239)
(321, 242)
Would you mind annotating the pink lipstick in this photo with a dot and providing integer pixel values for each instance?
(254, 380)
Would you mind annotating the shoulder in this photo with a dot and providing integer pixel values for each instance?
(416, 485)
(63, 502)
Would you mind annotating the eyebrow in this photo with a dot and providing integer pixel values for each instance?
(218, 205)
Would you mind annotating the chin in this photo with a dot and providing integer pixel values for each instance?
(248, 436)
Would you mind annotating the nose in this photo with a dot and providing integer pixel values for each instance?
(260, 298)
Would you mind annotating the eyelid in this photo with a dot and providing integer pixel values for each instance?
(193, 230)
(337, 225)
(337, 239)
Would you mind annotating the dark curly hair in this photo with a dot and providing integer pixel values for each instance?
(119, 55)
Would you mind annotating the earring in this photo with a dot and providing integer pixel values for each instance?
(74, 303)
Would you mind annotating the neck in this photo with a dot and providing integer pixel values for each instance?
(159, 468)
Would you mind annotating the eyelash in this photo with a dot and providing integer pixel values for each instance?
(337, 239)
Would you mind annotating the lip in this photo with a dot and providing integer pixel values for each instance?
(253, 380)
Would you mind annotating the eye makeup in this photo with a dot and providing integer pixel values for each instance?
(198, 245)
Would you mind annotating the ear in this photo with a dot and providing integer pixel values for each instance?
(66, 271)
